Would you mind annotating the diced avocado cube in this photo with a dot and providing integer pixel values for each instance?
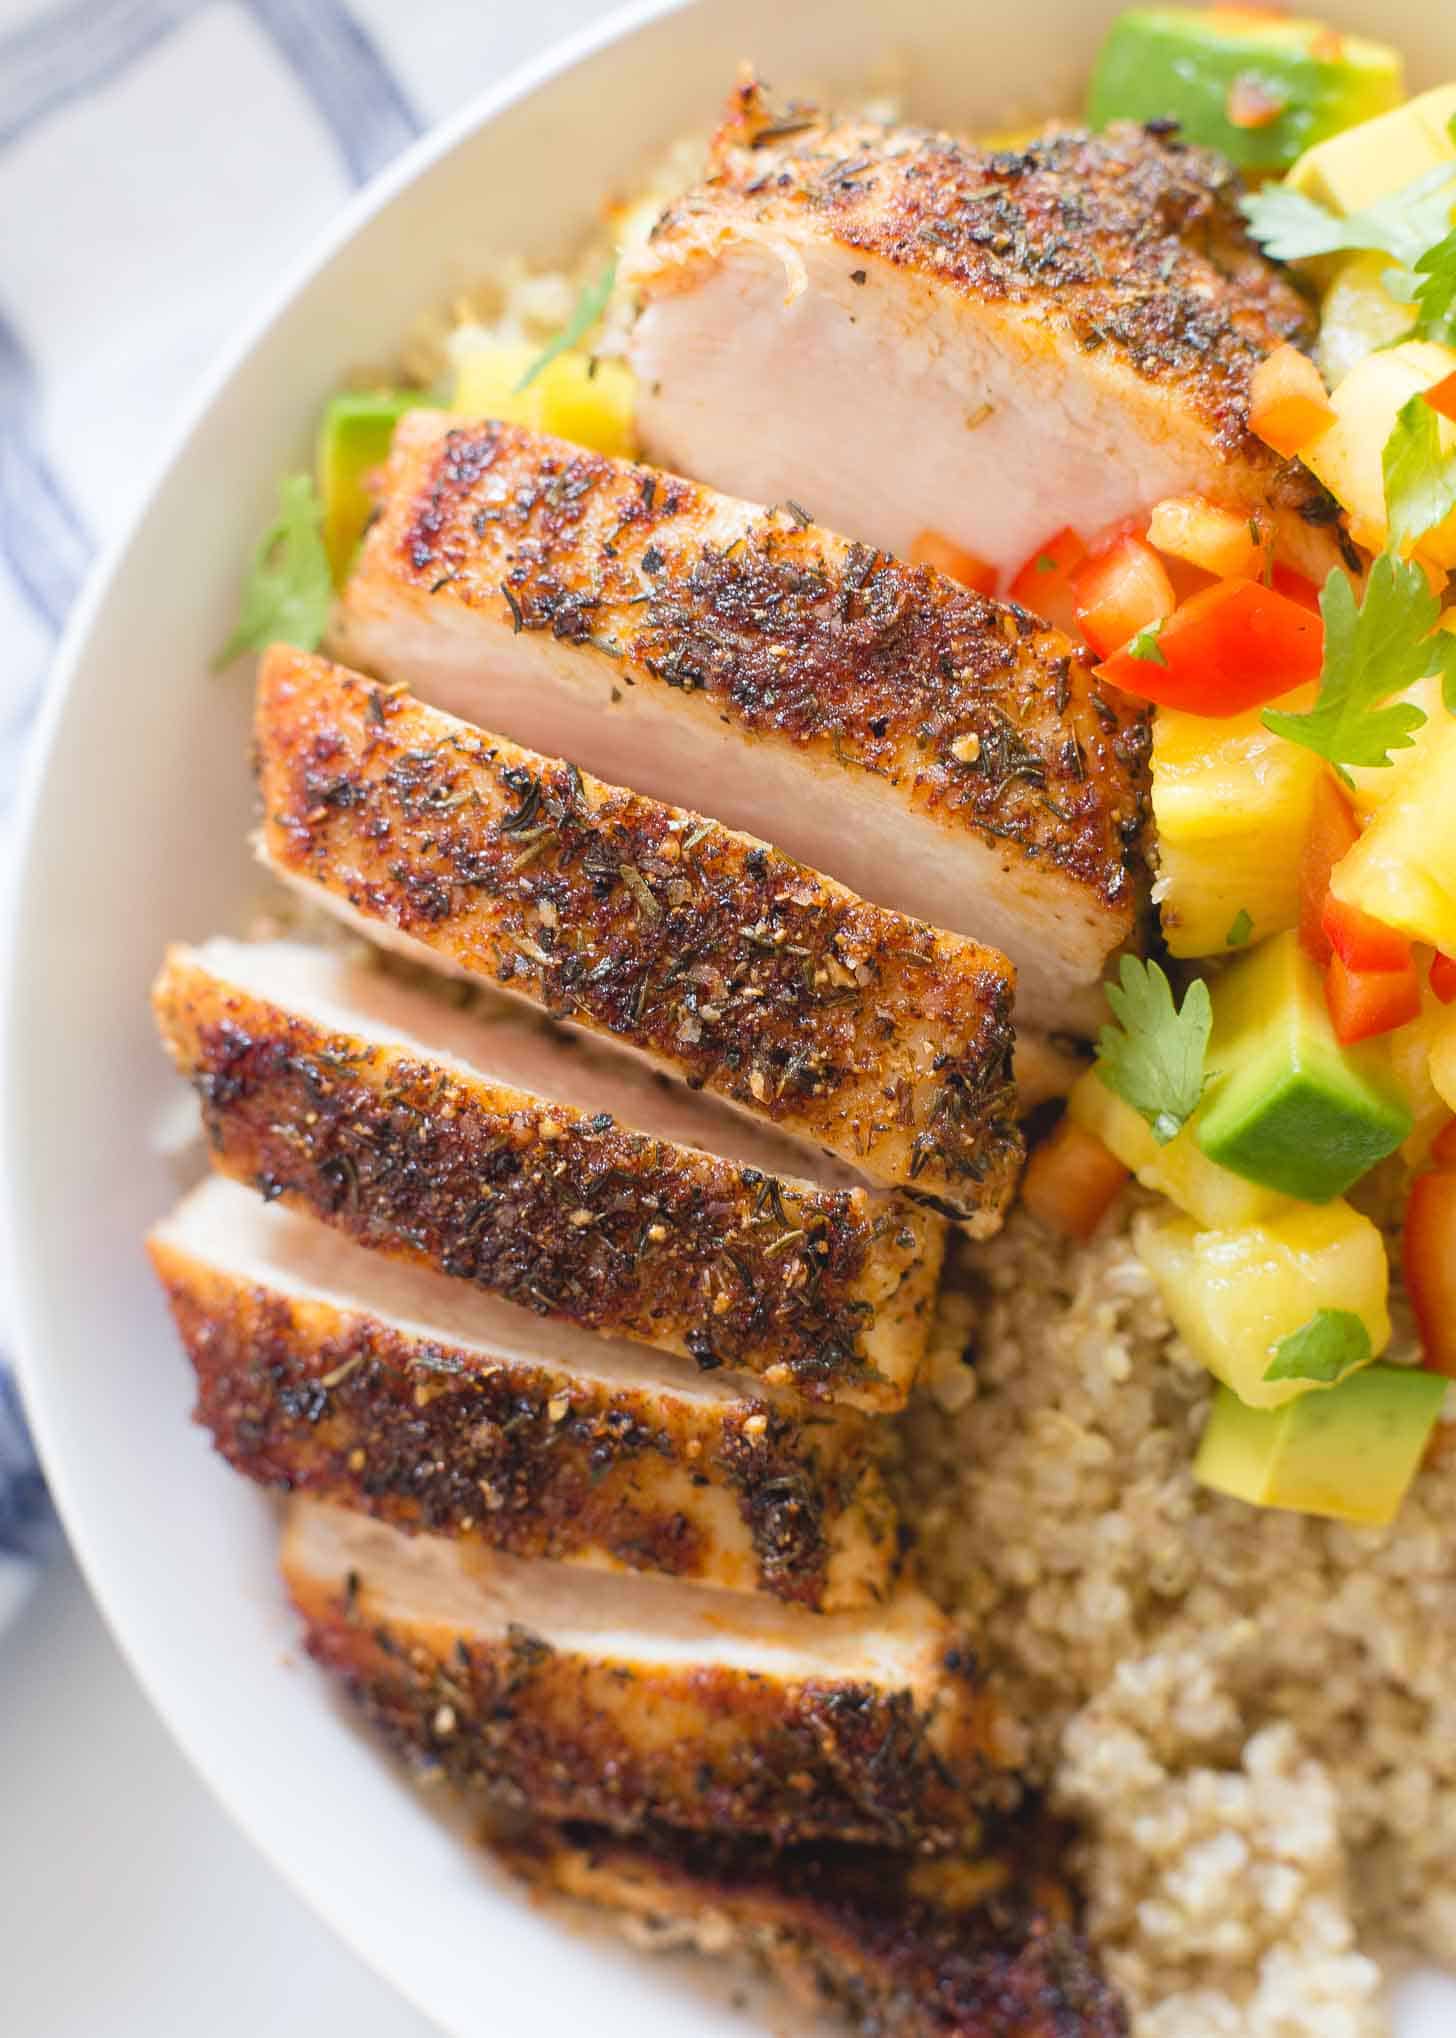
(353, 440)
(1286, 1104)
(1349, 1453)
(1236, 1296)
(1251, 83)
(1351, 170)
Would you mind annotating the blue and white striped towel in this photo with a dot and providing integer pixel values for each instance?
(160, 163)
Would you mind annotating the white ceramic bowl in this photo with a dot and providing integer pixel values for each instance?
(135, 828)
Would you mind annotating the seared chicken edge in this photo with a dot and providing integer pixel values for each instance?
(369, 1105)
(976, 1946)
(627, 1700)
(941, 754)
(326, 1369)
(715, 957)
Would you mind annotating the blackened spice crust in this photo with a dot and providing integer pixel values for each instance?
(977, 714)
(735, 967)
(561, 1211)
(430, 1436)
(979, 1946)
(702, 1746)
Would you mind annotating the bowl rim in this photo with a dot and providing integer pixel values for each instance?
(24, 1299)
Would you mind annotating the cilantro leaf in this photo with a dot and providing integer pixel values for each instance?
(1153, 1057)
(1145, 646)
(1333, 1343)
(1403, 224)
(1378, 649)
(591, 302)
(287, 594)
(1241, 929)
(1420, 480)
(1436, 296)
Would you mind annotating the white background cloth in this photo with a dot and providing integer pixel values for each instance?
(161, 162)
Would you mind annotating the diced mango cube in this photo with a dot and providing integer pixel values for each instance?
(1403, 868)
(1376, 785)
(1232, 802)
(575, 395)
(1181, 1171)
(1353, 169)
(1357, 315)
(1347, 458)
(1443, 1058)
(1235, 1295)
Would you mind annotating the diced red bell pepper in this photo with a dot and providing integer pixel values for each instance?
(1286, 581)
(1234, 646)
(1365, 1002)
(1443, 396)
(1362, 941)
(1250, 102)
(1333, 830)
(1443, 978)
(1289, 406)
(1121, 591)
(954, 561)
(1044, 584)
(1443, 1146)
(1071, 1181)
(1428, 1261)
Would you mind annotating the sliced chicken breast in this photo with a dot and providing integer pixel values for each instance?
(938, 753)
(323, 1368)
(633, 1699)
(711, 955)
(910, 334)
(489, 1148)
(977, 1946)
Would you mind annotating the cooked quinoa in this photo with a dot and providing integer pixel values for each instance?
(1251, 1715)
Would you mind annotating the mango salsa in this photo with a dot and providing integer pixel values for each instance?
(1181, 1171)
(1403, 868)
(1353, 169)
(1235, 1295)
(1347, 457)
(1232, 802)
(574, 395)
(1357, 315)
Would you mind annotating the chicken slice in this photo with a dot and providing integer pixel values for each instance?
(489, 1148)
(326, 1369)
(710, 954)
(624, 1698)
(938, 753)
(974, 1946)
(907, 333)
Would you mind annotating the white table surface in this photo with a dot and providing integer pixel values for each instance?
(130, 1907)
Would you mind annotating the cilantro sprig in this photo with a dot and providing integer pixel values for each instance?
(1153, 1057)
(591, 302)
(1435, 294)
(1404, 224)
(288, 591)
(1372, 651)
(1333, 1343)
(1412, 225)
(1420, 479)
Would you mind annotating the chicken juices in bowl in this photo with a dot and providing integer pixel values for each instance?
(712, 1458)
